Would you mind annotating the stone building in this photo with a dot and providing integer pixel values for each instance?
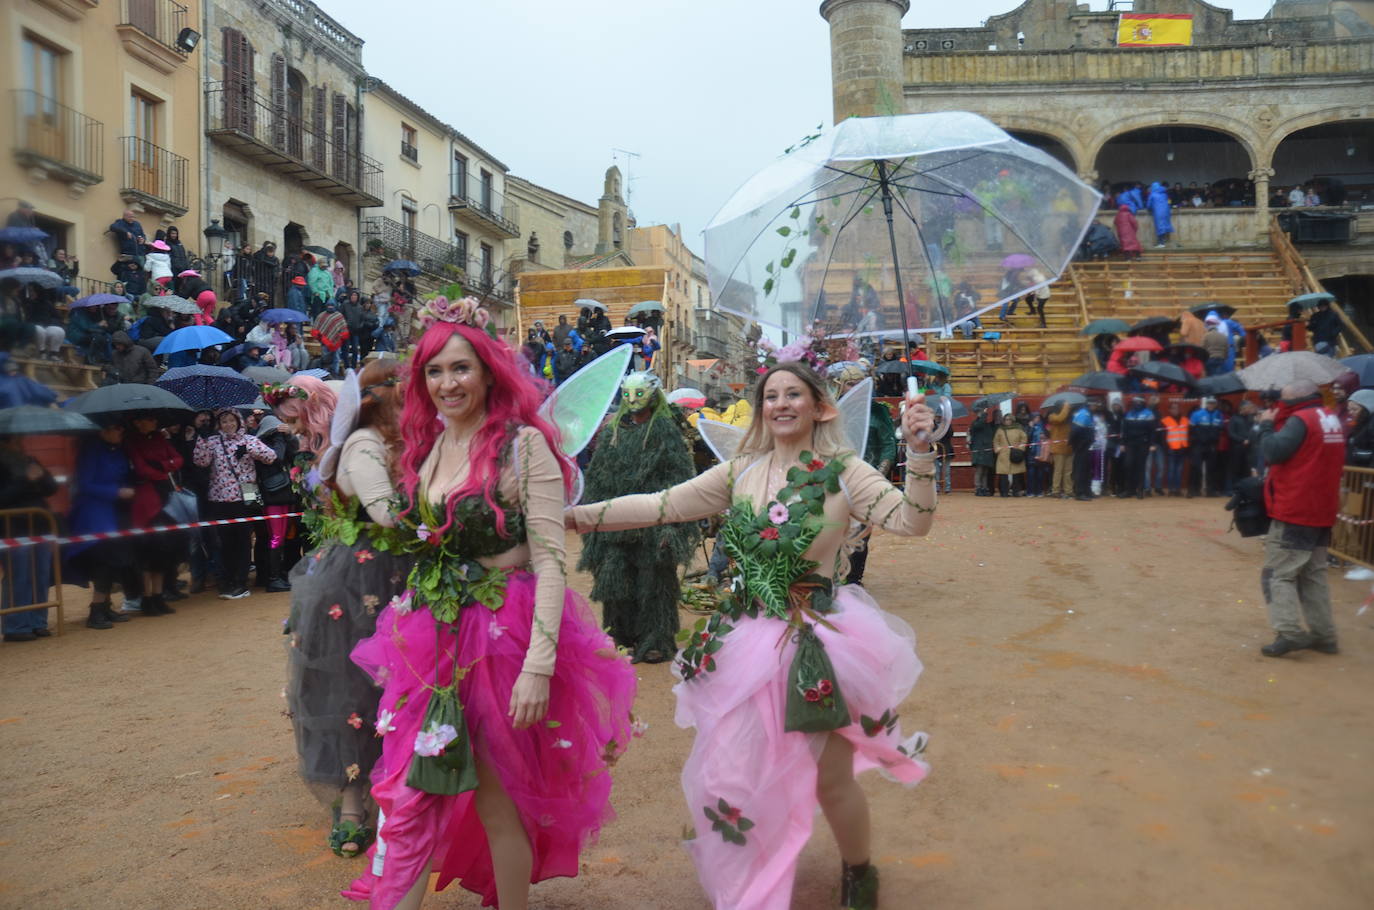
(283, 120)
(100, 106)
(446, 204)
(1261, 104)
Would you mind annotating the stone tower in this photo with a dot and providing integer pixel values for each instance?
(612, 217)
(866, 56)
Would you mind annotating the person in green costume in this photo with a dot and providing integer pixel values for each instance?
(640, 450)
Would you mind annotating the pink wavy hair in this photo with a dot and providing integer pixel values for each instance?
(315, 412)
(512, 401)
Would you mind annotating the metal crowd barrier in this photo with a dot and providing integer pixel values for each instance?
(24, 568)
(1352, 538)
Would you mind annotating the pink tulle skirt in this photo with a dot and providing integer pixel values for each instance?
(761, 780)
(558, 776)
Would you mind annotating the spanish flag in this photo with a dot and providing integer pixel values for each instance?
(1154, 30)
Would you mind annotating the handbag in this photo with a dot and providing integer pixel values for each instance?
(1016, 455)
(249, 491)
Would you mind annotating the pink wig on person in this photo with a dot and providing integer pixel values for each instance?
(206, 301)
(513, 400)
(314, 413)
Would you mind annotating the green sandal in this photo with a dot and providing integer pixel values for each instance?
(858, 887)
(347, 831)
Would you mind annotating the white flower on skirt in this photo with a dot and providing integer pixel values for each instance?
(384, 725)
(562, 744)
(432, 740)
(496, 630)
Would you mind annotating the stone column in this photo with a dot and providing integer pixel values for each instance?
(1260, 176)
(866, 71)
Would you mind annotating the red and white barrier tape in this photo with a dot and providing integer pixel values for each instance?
(12, 543)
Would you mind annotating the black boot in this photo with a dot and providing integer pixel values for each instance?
(155, 605)
(99, 618)
(858, 887)
(277, 582)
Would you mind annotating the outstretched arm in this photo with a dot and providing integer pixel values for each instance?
(701, 497)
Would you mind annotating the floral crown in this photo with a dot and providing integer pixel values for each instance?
(274, 393)
(464, 311)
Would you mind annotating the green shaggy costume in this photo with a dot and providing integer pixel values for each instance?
(636, 572)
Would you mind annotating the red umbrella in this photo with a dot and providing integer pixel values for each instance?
(1138, 343)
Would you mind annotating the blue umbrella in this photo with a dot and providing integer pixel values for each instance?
(282, 314)
(206, 387)
(402, 265)
(1363, 365)
(192, 338)
(317, 373)
(97, 300)
(22, 236)
(27, 274)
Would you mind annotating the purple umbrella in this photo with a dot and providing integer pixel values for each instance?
(1018, 261)
(97, 300)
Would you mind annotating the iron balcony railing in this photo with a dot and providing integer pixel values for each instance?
(409, 151)
(154, 172)
(91, 286)
(391, 239)
(161, 20)
(239, 117)
(55, 137)
(487, 205)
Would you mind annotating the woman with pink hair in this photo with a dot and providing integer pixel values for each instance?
(504, 704)
(338, 587)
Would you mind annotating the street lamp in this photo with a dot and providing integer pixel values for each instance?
(214, 244)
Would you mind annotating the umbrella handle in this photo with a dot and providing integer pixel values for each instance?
(944, 407)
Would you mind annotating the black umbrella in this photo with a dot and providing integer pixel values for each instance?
(956, 407)
(1106, 327)
(992, 401)
(1224, 384)
(1225, 311)
(319, 251)
(1164, 371)
(1100, 381)
(1153, 324)
(29, 420)
(1060, 398)
(892, 366)
(114, 403)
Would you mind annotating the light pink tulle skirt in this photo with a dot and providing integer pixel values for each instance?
(558, 777)
(767, 777)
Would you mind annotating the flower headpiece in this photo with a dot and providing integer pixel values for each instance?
(274, 393)
(466, 311)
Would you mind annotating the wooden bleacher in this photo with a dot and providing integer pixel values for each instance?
(67, 377)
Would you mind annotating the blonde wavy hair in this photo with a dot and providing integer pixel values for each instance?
(827, 437)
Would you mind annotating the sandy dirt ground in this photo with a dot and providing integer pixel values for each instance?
(1104, 733)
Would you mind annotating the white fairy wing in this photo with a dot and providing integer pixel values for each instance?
(722, 438)
(578, 405)
(343, 423)
(855, 411)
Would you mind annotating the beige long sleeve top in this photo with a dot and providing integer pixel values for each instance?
(533, 481)
(362, 473)
(865, 496)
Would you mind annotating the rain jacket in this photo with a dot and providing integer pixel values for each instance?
(1059, 431)
(321, 283)
(1126, 229)
(1158, 203)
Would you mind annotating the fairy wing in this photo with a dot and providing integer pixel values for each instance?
(578, 405)
(343, 423)
(722, 438)
(855, 410)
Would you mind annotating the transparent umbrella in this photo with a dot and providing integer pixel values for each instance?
(888, 224)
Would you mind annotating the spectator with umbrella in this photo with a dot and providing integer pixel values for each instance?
(154, 460)
(1139, 437)
(1061, 454)
(981, 453)
(103, 490)
(1220, 358)
(1009, 446)
(39, 308)
(131, 362)
(89, 329)
(233, 493)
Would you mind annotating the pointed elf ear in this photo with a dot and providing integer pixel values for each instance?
(828, 413)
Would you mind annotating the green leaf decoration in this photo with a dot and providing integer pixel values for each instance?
(768, 286)
(795, 213)
(784, 230)
(788, 257)
(768, 267)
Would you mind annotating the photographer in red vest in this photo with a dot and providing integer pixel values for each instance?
(1304, 445)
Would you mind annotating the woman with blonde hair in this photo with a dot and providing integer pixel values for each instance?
(795, 684)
